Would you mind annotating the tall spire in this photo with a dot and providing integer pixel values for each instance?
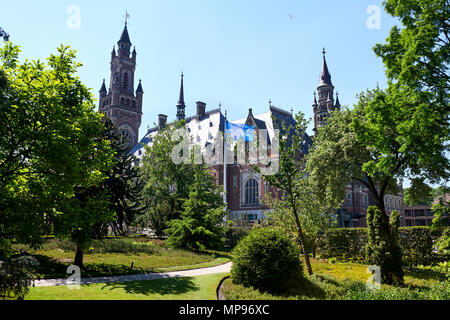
(338, 103)
(325, 77)
(181, 106)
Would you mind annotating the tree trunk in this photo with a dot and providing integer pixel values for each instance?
(301, 236)
(305, 251)
(313, 251)
(79, 257)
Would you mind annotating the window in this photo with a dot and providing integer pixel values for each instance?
(252, 192)
(125, 81)
(122, 101)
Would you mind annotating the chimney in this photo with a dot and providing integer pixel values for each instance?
(201, 109)
(162, 120)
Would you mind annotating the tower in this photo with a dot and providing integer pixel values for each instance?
(181, 106)
(325, 90)
(121, 104)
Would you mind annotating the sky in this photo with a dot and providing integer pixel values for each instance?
(240, 53)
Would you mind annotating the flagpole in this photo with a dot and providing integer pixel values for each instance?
(225, 166)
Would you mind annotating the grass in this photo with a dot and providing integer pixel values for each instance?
(347, 281)
(191, 288)
(119, 257)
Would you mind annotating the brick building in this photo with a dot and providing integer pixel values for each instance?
(245, 187)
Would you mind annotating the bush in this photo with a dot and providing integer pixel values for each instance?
(16, 274)
(233, 235)
(348, 244)
(267, 260)
(344, 244)
(443, 243)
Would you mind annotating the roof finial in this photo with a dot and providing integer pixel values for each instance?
(324, 52)
(127, 15)
(270, 103)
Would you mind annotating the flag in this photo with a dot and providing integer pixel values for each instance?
(240, 131)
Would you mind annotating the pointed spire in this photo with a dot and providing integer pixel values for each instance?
(315, 99)
(325, 77)
(338, 103)
(103, 88)
(125, 37)
(181, 97)
(139, 88)
(113, 50)
(181, 106)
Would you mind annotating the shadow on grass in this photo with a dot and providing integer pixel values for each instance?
(168, 286)
(425, 274)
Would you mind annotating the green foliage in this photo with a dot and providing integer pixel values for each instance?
(344, 244)
(360, 291)
(299, 211)
(349, 244)
(49, 148)
(233, 235)
(16, 274)
(443, 243)
(199, 228)
(166, 183)
(266, 260)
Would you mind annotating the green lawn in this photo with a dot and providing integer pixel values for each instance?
(193, 288)
(338, 281)
(152, 256)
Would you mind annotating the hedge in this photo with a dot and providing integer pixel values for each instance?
(349, 244)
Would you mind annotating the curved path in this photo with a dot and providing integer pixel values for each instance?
(224, 268)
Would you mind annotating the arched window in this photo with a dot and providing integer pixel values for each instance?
(252, 192)
(125, 81)
(128, 102)
(122, 101)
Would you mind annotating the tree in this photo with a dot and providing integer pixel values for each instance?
(298, 207)
(113, 203)
(123, 183)
(48, 145)
(166, 184)
(199, 228)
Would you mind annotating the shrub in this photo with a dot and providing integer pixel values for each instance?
(267, 260)
(344, 244)
(416, 244)
(233, 235)
(443, 243)
(16, 274)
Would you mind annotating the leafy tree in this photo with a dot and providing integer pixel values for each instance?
(199, 228)
(299, 209)
(401, 132)
(166, 184)
(113, 203)
(48, 145)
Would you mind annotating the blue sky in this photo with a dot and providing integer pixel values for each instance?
(240, 53)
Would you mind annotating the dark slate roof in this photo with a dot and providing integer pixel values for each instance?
(139, 87)
(103, 88)
(325, 77)
(125, 37)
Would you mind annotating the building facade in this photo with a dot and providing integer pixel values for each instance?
(245, 187)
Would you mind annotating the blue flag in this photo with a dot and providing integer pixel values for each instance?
(240, 131)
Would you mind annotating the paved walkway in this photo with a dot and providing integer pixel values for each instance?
(224, 268)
